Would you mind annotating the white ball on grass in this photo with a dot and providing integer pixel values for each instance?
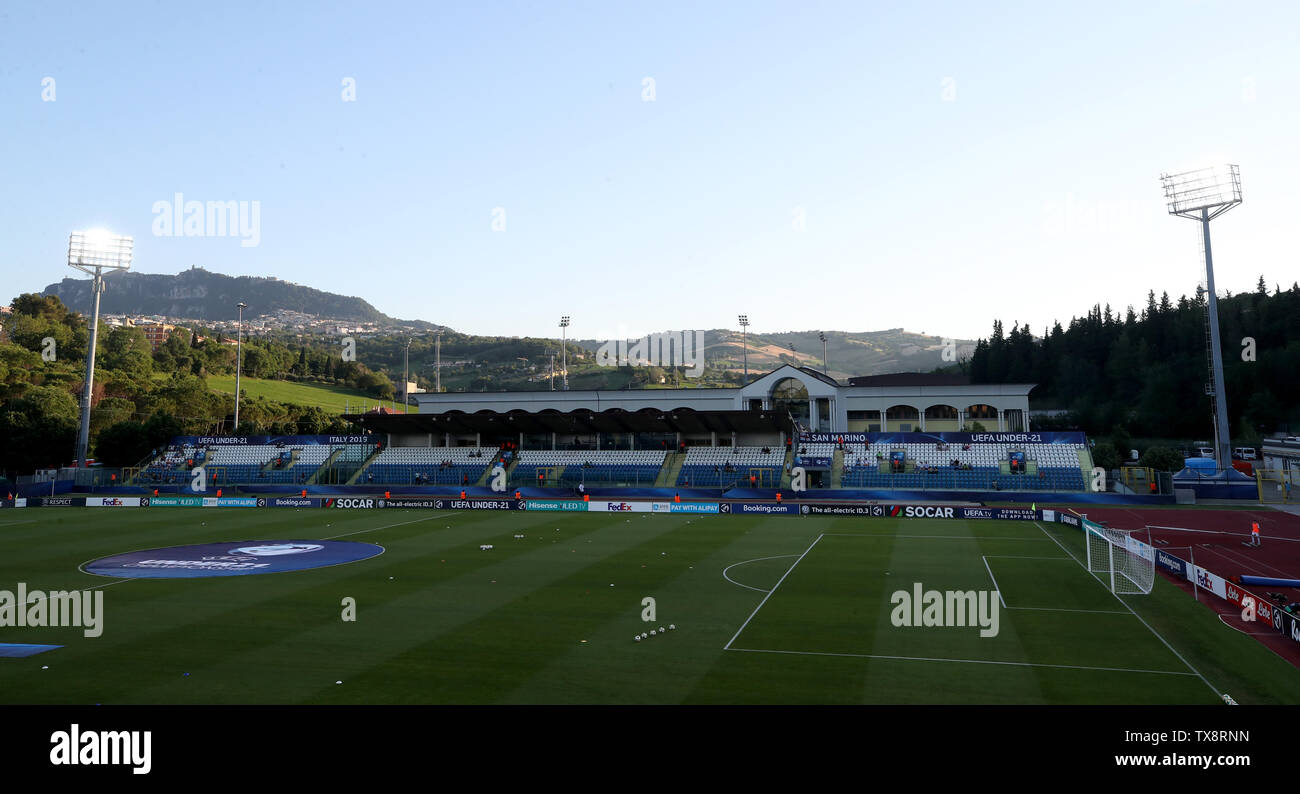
(672, 626)
(637, 638)
(652, 632)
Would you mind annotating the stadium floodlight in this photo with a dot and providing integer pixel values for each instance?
(744, 343)
(564, 351)
(406, 376)
(93, 252)
(1203, 195)
(437, 362)
(239, 358)
(822, 336)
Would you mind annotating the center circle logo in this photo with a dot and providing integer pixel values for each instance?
(277, 549)
(238, 558)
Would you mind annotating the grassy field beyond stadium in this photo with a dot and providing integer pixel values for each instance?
(439, 621)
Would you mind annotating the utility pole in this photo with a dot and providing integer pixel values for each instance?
(239, 357)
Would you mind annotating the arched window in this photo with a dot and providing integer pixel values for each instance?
(791, 395)
(940, 412)
(902, 413)
(981, 411)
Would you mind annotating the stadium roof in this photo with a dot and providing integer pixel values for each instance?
(579, 421)
(910, 379)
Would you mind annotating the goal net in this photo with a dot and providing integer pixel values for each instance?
(1125, 562)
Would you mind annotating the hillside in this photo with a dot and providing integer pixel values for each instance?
(200, 294)
(474, 363)
(334, 399)
(849, 353)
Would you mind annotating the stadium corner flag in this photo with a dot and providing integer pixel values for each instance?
(1033, 505)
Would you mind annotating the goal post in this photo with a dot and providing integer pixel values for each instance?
(1124, 562)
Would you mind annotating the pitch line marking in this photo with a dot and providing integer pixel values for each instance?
(938, 537)
(1066, 609)
(389, 526)
(1228, 623)
(84, 589)
(745, 562)
(965, 661)
(770, 592)
(1135, 614)
(1018, 557)
(996, 589)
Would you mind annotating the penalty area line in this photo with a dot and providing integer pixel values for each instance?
(1171, 648)
(770, 592)
(996, 589)
(966, 661)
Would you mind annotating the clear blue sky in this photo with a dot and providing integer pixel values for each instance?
(953, 162)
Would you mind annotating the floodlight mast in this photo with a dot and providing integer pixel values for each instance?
(564, 351)
(744, 343)
(94, 252)
(1203, 195)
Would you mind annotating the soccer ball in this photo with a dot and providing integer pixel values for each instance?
(661, 629)
(637, 638)
(672, 626)
(652, 632)
(644, 635)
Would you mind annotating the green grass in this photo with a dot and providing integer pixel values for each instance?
(455, 624)
(334, 399)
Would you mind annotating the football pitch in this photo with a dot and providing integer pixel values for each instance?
(767, 609)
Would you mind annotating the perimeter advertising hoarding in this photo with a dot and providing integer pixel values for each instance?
(693, 507)
(627, 507)
(569, 505)
(758, 508)
(113, 501)
(176, 501)
(288, 501)
(480, 504)
(56, 501)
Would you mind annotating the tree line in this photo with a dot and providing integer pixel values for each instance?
(141, 397)
(1144, 372)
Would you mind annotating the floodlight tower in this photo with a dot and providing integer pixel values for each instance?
(564, 351)
(1203, 195)
(94, 252)
(822, 336)
(406, 376)
(744, 342)
(239, 358)
(437, 365)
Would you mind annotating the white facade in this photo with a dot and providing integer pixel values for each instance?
(831, 407)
